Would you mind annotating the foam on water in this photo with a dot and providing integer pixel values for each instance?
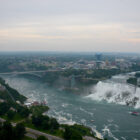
(114, 92)
(62, 117)
(123, 138)
(106, 131)
(90, 113)
(97, 134)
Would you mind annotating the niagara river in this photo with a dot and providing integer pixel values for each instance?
(104, 109)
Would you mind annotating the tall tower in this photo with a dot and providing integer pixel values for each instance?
(98, 56)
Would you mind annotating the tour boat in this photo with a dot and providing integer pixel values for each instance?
(135, 113)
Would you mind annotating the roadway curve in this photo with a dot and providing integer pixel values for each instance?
(35, 133)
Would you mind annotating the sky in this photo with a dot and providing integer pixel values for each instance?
(70, 25)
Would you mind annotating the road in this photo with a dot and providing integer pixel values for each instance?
(38, 133)
(32, 133)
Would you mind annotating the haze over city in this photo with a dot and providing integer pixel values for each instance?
(81, 25)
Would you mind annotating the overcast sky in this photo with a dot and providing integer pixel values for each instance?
(70, 25)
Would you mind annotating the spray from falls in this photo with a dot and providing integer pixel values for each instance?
(114, 92)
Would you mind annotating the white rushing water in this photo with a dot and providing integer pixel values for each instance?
(117, 91)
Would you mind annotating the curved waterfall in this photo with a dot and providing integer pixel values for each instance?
(116, 90)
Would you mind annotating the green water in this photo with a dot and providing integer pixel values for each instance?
(113, 121)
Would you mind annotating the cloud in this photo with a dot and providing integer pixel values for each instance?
(60, 32)
(70, 25)
(134, 40)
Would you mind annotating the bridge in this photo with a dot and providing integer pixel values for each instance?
(28, 72)
(33, 73)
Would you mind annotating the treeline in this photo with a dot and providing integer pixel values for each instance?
(81, 76)
(10, 110)
(95, 73)
(50, 125)
(10, 94)
(137, 75)
(135, 67)
(8, 132)
(45, 123)
(103, 73)
(132, 81)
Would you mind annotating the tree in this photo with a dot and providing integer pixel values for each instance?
(7, 131)
(67, 133)
(137, 75)
(19, 131)
(23, 111)
(75, 135)
(132, 81)
(71, 134)
(10, 114)
(37, 120)
(42, 138)
(4, 107)
(54, 124)
(46, 124)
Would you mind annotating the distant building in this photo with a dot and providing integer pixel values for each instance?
(98, 56)
(35, 103)
(119, 60)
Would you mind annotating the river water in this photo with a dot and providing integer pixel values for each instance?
(103, 110)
